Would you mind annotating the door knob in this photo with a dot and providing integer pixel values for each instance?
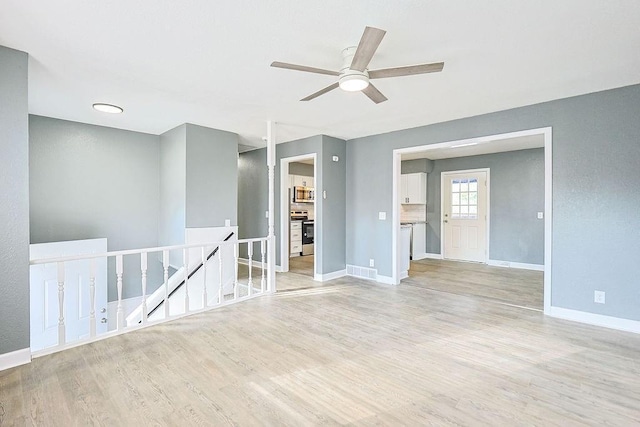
(445, 221)
(103, 310)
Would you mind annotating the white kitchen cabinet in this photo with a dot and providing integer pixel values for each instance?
(413, 188)
(405, 244)
(295, 237)
(419, 241)
(301, 181)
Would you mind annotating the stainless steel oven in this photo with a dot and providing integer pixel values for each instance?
(307, 237)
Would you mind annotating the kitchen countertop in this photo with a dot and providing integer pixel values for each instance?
(412, 222)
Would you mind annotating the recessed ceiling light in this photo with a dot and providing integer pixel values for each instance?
(107, 108)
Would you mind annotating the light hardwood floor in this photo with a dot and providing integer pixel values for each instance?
(301, 265)
(346, 352)
(507, 285)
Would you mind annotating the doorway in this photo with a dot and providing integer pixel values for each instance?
(298, 215)
(465, 211)
(543, 134)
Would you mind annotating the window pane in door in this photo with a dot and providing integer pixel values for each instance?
(455, 198)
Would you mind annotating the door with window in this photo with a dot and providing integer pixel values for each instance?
(464, 215)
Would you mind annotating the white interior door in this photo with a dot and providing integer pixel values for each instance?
(464, 215)
(77, 308)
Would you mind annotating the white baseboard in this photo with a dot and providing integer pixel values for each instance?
(418, 257)
(15, 358)
(432, 256)
(595, 319)
(278, 268)
(403, 274)
(329, 276)
(520, 265)
(387, 280)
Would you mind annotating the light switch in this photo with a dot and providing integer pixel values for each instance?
(540, 215)
(382, 216)
(227, 223)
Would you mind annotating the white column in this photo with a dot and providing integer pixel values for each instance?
(143, 269)
(61, 327)
(220, 284)
(235, 270)
(165, 266)
(262, 254)
(120, 312)
(185, 256)
(250, 252)
(205, 298)
(271, 246)
(92, 297)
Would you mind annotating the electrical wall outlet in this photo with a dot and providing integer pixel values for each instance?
(598, 297)
(372, 263)
(382, 216)
(540, 215)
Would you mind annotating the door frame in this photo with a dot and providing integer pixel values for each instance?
(546, 132)
(488, 208)
(284, 208)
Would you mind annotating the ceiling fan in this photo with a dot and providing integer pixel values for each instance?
(354, 75)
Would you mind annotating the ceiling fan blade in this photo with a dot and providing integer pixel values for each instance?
(369, 42)
(406, 71)
(374, 94)
(304, 68)
(320, 92)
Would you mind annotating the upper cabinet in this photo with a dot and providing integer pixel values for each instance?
(413, 188)
(301, 181)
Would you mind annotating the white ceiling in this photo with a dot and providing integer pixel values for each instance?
(207, 62)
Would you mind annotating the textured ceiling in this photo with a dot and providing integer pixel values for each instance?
(207, 62)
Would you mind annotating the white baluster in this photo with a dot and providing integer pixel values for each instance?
(61, 326)
(165, 266)
(204, 277)
(250, 252)
(235, 271)
(120, 312)
(220, 291)
(143, 269)
(92, 297)
(185, 264)
(262, 251)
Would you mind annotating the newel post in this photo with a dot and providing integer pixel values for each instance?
(271, 246)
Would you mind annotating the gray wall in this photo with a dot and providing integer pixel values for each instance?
(329, 213)
(173, 164)
(416, 166)
(253, 195)
(91, 181)
(333, 227)
(14, 199)
(596, 153)
(517, 194)
(211, 177)
(301, 169)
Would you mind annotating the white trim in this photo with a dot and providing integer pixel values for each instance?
(279, 269)
(418, 257)
(487, 234)
(548, 214)
(386, 280)
(329, 276)
(548, 196)
(284, 209)
(433, 256)
(396, 251)
(404, 274)
(595, 319)
(15, 358)
(511, 264)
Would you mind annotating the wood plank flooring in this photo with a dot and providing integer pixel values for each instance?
(508, 285)
(346, 352)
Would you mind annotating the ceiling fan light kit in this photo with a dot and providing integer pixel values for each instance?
(354, 75)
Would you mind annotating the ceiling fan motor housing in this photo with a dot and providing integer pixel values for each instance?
(351, 80)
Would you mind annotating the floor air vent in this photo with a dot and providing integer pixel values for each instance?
(362, 272)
